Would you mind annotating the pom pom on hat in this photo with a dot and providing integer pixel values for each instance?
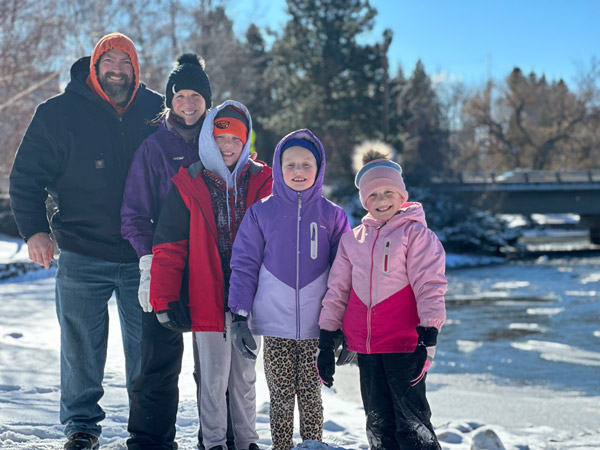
(188, 74)
(231, 120)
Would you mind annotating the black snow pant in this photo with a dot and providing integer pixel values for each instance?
(155, 399)
(398, 415)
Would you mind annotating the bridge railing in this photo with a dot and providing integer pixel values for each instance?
(523, 176)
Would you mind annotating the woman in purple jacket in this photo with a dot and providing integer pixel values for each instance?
(155, 399)
(280, 263)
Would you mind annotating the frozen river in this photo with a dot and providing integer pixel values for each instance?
(534, 322)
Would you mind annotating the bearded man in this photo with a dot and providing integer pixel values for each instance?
(78, 148)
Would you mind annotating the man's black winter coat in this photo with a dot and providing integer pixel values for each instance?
(78, 149)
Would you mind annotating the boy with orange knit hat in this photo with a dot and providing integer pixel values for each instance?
(190, 271)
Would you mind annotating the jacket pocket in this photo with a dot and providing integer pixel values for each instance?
(314, 240)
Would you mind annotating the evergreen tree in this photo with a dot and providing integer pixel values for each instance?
(419, 126)
(323, 79)
(259, 100)
(399, 111)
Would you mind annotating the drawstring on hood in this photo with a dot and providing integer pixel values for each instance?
(112, 41)
(211, 157)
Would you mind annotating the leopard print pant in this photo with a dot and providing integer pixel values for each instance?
(290, 371)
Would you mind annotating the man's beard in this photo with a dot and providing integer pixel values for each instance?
(115, 90)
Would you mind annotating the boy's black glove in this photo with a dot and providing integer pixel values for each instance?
(241, 337)
(424, 352)
(176, 318)
(326, 358)
(168, 320)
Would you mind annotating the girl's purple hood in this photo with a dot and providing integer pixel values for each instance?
(280, 189)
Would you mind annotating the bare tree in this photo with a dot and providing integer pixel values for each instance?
(530, 123)
(31, 59)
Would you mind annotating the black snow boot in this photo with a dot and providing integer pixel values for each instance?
(82, 441)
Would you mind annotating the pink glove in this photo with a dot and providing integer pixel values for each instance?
(426, 366)
(425, 351)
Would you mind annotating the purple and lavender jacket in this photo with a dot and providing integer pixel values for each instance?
(284, 248)
(155, 162)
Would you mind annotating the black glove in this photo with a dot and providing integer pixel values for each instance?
(424, 352)
(326, 358)
(168, 320)
(241, 337)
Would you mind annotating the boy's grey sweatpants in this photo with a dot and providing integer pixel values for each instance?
(223, 367)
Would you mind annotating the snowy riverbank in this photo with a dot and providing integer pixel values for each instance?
(492, 408)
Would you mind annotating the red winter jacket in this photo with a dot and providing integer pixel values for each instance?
(186, 260)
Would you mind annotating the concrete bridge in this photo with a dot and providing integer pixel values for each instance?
(530, 192)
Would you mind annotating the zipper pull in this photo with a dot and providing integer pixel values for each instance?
(386, 256)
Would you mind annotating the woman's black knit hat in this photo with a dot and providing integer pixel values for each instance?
(188, 74)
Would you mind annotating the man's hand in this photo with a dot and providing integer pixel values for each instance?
(41, 249)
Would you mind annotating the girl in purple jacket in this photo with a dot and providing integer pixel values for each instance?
(280, 263)
(386, 291)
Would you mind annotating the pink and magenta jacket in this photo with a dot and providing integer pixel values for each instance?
(387, 278)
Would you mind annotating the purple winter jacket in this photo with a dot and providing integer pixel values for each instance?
(157, 160)
(284, 248)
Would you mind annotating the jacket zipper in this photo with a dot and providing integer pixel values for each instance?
(369, 309)
(298, 267)
(191, 186)
(232, 210)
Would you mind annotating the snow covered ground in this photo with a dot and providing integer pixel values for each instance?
(472, 409)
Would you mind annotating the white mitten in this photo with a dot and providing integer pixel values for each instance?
(144, 289)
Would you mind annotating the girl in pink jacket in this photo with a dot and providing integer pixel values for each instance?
(386, 292)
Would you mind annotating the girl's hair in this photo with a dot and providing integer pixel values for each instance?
(156, 121)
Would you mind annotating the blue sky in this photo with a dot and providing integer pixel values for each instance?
(472, 39)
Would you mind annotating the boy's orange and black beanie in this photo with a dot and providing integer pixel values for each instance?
(188, 74)
(231, 120)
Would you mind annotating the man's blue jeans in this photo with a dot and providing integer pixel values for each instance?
(84, 285)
